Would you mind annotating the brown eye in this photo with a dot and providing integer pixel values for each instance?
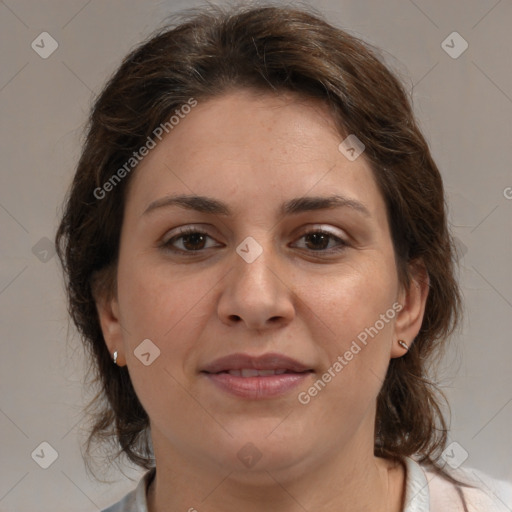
(322, 241)
(189, 240)
(194, 241)
(317, 241)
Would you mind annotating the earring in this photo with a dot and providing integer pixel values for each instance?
(403, 344)
(115, 357)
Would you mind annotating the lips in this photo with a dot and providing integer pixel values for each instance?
(252, 372)
(268, 362)
(256, 378)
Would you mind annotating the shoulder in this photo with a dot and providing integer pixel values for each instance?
(134, 501)
(482, 493)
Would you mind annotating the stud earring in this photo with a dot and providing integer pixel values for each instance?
(114, 358)
(403, 344)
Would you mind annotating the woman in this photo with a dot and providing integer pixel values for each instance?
(257, 255)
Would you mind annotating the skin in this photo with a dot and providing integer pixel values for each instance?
(254, 151)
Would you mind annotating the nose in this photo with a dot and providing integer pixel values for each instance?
(257, 293)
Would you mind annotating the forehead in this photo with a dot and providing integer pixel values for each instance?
(257, 142)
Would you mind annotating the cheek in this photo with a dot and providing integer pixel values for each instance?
(353, 298)
(171, 312)
(357, 315)
(144, 303)
(162, 306)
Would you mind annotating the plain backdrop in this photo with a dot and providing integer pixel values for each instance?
(463, 102)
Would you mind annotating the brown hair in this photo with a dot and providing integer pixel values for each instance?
(269, 49)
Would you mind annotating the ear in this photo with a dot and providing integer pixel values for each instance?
(108, 313)
(413, 299)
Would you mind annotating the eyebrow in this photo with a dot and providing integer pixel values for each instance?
(298, 205)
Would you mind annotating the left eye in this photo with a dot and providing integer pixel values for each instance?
(321, 241)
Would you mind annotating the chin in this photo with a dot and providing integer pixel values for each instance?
(258, 449)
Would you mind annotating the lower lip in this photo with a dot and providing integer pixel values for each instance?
(258, 388)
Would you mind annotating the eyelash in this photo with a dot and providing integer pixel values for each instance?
(190, 231)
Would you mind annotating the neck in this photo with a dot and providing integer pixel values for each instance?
(346, 481)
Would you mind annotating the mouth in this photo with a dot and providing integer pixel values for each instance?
(252, 372)
(267, 376)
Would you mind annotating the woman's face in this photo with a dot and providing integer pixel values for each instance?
(257, 287)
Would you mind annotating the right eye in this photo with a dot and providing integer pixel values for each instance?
(188, 240)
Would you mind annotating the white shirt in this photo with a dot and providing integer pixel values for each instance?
(424, 492)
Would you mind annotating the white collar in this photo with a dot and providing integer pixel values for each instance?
(416, 488)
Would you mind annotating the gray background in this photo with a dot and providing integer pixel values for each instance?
(464, 105)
